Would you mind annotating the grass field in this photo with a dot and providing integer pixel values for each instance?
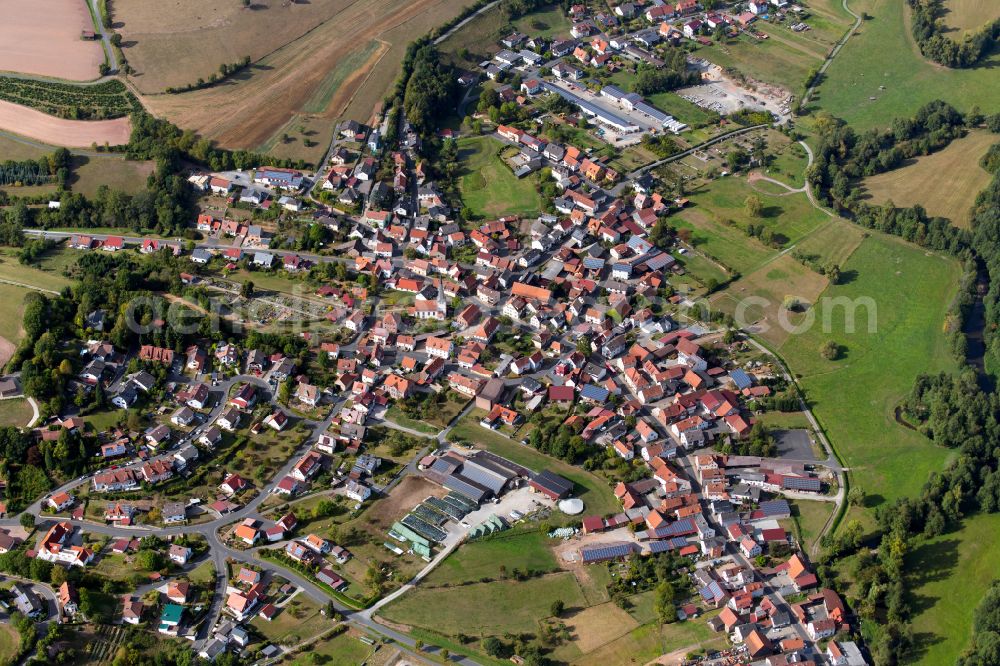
(204, 573)
(10, 643)
(488, 186)
(789, 165)
(682, 110)
(13, 312)
(633, 157)
(808, 519)
(784, 420)
(910, 80)
(717, 221)
(833, 243)
(854, 397)
(702, 268)
(396, 415)
(46, 275)
(16, 412)
(14, 149)
(89, 173)
(548, 22)
(769, 285)
(965, 16)
(485, 609)
(596, 494)
(479, 37)
(344, 649)
(728, 245)
(921, 182)
(298, 620)
(473, 561)
(948, 577)
(295, 49)
(649, 641)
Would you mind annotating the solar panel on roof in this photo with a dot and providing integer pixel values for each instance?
(775, 508)
(801, 483)
(685, 526)
(660, 260)
(741, 379)
(665, 545)
(653, 112)
(600, 553)
(592, 392)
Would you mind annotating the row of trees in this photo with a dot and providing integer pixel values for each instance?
(225, 71)
(37, 172)
(929, 31)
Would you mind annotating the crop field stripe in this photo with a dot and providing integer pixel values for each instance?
(354, 61)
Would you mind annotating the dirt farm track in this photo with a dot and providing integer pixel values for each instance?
(61, 132)
(42, 37)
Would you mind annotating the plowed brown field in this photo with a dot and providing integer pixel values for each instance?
(42, 37)
(60, 131)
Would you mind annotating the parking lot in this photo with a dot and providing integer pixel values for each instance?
(723, 95)
(795, 444)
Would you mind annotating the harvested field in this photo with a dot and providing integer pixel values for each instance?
(920, 181)
(42, 37)
(174, 42)
(89, 173)
(61, 132)
(968, 16)
(304, 73)
(756, 299)
(599, 625)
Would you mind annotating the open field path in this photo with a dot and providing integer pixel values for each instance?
(833, 54)
(461, 23)
(34, 413)
(109, 51)
(28, 286)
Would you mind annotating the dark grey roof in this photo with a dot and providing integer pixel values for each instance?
(467, 488)
(485, 475)
(552, 482)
